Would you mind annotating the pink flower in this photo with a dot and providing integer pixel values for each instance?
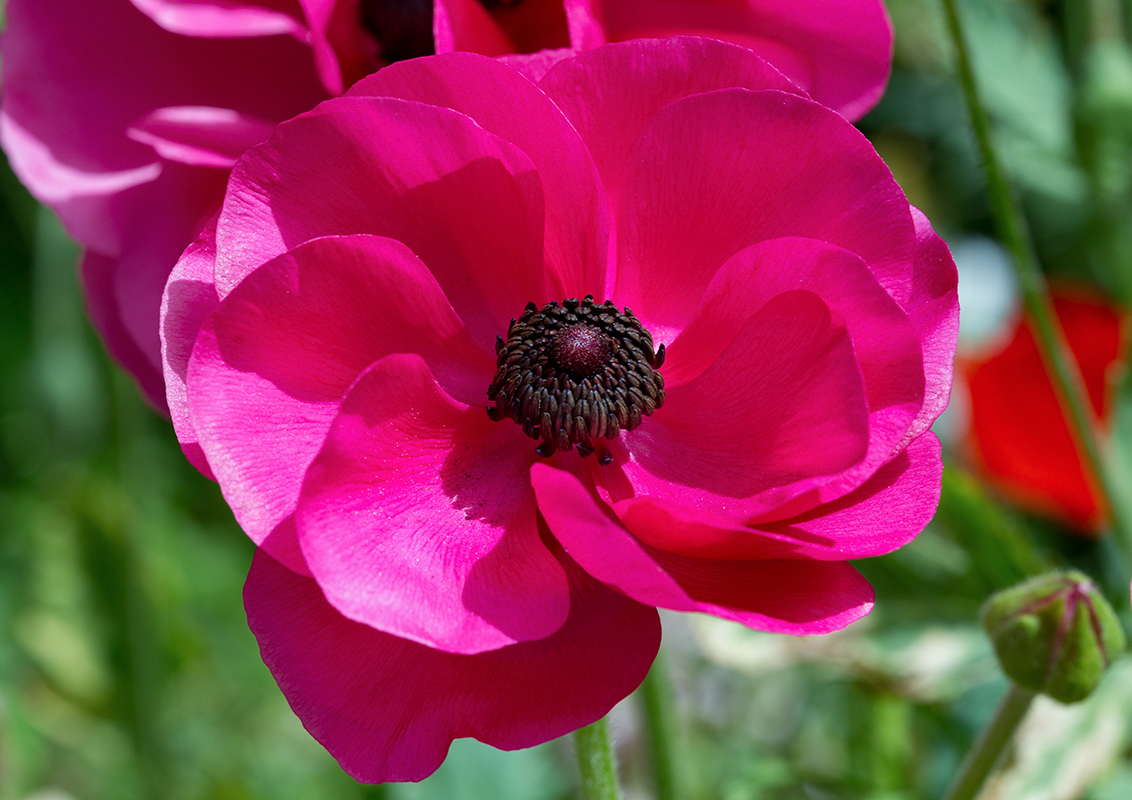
(334, 337)
(125, 115)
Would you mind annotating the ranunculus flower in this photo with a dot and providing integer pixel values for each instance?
(125, 116)
(405, 349)
(1019, 438)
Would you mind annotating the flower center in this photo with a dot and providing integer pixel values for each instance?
(573, 373)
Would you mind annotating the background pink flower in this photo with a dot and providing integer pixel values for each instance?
(125, 115)
(331, 337)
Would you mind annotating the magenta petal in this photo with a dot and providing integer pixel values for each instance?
(98, 278)
(200, 135)
(466, 202)
(885, 343)
(609, 94)
(416, 518)
(224, 18)
(509, 106)
(798, 596)
(886, 512)
(270, 366)
(388, 708)
(837, 50)
(465, 25)
(189, 297)
(78, 75)
(768, 165)
(934, 309)
(783, 403)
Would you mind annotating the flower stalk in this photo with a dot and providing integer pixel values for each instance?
(1064, 371)
(660, 726)
(596, 763)
(987, 750)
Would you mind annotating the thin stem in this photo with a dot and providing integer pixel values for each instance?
(596, 763)
(1055, 352)
(660, 725)
(986, 751)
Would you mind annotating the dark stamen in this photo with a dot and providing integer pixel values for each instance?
(574, 373)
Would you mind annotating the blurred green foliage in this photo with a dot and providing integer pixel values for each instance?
(127, 670)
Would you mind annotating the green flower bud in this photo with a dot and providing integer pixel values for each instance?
(1054, 634)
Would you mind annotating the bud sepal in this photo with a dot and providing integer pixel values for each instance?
(1054, 634)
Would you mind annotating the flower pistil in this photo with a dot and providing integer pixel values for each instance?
(573, 372)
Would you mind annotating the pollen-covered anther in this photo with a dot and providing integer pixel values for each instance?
(574, 372)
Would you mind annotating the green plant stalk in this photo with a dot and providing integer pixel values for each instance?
(1062, 367)
(660, 726)
(596, 763)
(987, 750)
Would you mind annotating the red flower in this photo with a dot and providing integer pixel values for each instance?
(1019, 437)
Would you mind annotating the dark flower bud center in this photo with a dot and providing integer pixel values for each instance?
(581, 350)
(575, 373)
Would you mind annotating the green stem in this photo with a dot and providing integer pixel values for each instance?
(1055, 352)
(660, 725)
(984, 754)
(596, 763)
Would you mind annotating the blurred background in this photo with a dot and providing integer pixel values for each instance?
(127, 671)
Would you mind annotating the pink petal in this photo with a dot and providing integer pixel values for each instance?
(465, 25)
(933, 308)
(610, 94)
(200, 135)
(64, 127)
(839, 51)
(886, 345)
(224, 18)
(534, 66)
(466, 202)
(97, 274)
(152, 223)
(416, 518)
(783, 403)
(189, 298)
(505, 104)
(768, 165)
(584, 23)
(798, 597)
(270, 366)
(883, 514)
(388, 708)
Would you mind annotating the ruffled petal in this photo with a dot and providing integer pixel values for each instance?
(840, 51)
(64, 127)
(610, 94)
(507, 105)
(885, 513)
(189, 298)
(225, 18)
(466, 202)
(388, 708)
(885, 343)
(783, 403)
(272, 363)
(780, 596)
(97, 274)
(933, 307)
(200, 136)
(416, 518)
(465, 25)
(768, 165)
